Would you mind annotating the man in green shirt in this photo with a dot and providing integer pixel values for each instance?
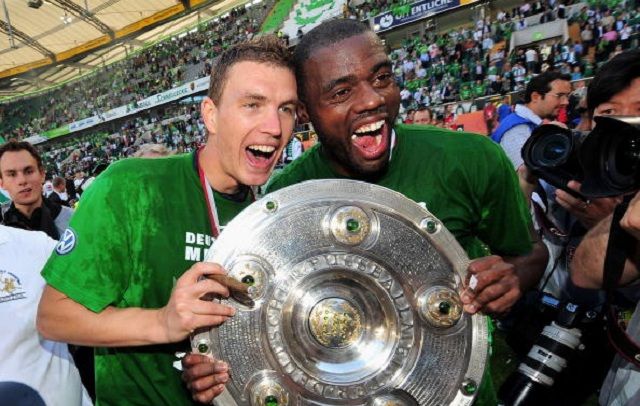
(479, 88)
(347, 89)
(126, 276)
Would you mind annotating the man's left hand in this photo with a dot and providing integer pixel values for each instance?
(496, 288)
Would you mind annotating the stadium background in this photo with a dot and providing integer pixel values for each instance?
(90, 81)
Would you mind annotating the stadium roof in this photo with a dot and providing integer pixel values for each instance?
(63, 39)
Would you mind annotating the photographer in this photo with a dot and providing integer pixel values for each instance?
(564, 218)
(622, 384)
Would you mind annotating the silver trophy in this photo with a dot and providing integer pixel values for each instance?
(353, 300)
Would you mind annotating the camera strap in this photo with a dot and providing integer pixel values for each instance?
(619, 247)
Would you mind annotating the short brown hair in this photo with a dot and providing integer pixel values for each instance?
(264, 49)
(58, 181)
(16, 146)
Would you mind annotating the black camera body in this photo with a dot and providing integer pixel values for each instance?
(606, 160)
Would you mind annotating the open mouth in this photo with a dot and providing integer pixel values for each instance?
(371, 139)
(261, 155)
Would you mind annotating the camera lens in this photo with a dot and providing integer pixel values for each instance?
(552, 150)
(627, 155)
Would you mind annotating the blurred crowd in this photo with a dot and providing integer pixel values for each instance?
(475, 61)
(178, 128)
(165, 65)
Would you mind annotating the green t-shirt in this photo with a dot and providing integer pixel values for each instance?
(454, 69)
(465, 180)
(479, 90)
(139, 227)
(465, 93)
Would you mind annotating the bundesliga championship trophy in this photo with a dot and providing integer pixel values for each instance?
(353, 300)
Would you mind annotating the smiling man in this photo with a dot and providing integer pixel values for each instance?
(22, 176)
(347, 88)
(117, 278)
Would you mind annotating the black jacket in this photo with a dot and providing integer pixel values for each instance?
(54, 197)
(42, 218)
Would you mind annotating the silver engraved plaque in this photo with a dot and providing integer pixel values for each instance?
(354, 300)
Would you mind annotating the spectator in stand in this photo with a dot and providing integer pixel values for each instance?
(409, 117)
(423, 116)
(59, 194)
(152, 151)
(545, 95)
(504, 109)
(531, 57)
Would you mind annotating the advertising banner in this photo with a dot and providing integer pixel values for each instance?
(36, 139)
(56, 132)
(170, 95)
(408, 13)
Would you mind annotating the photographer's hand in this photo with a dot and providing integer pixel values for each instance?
(496, 289)
(589, 212)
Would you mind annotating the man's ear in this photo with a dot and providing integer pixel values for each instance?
(301, 113)
(209, 112)
(535, 96)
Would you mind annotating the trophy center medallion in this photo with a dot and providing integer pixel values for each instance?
(335, 323)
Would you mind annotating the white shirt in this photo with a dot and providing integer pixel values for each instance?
(43, 365)
(487, 43)
(513, 140)
(47, 188)
(531, 55)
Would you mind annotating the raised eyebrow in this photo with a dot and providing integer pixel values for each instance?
(254, 96)
(380, 65)
(335, 82)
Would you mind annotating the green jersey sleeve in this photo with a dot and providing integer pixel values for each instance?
(506, 221)
(91, 263)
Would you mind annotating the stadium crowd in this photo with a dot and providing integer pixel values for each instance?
(474, 61)
(178, 128)
(155, 69)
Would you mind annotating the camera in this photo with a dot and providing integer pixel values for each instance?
(606, 160)
(555, 346)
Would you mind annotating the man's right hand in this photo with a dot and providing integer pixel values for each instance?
(186, 312)
(205, 377)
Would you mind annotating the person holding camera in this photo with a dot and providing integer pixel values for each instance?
(564, 216)
(622, 383)
(614, 91)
